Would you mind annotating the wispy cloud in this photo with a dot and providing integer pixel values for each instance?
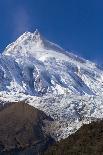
(21, 21)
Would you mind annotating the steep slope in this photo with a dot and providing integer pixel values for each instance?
(88, 140)
(45, 67)
(21, 127)
(63, 85)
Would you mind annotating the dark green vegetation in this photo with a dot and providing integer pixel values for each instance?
(21, 130)
(88, 140)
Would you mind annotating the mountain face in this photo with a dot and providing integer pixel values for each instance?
(63, 85)
(35, 66)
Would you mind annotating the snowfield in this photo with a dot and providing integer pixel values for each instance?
(63, 85)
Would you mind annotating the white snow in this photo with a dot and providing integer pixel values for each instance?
(63, 85)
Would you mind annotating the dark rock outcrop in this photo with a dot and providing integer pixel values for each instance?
(88, 140)
(21, 130)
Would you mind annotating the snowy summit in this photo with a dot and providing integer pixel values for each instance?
(63, 85)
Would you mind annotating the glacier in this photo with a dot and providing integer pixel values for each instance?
(58, 82)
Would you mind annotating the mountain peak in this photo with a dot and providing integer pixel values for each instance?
(30, 40)
(25, 39)
(37, 33)
(35, 37)
(65, 86)
(38, 39)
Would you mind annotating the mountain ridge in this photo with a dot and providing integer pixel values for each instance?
(88, 140)
(63, 85)
(22, 128)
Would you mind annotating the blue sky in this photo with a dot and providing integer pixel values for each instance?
(73, 24)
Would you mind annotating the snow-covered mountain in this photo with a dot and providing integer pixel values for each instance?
(63, 85)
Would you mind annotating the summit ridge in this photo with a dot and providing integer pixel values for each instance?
(63, 85)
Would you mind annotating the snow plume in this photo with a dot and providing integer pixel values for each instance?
(21, 21)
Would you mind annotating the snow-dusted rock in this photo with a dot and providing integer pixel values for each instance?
(65, 86)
